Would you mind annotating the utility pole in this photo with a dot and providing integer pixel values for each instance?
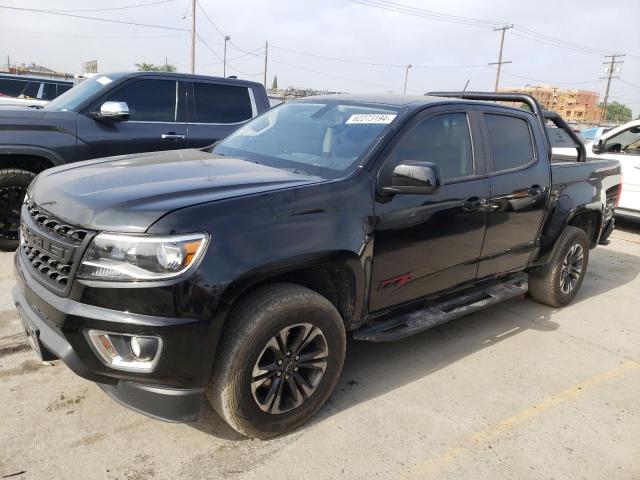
(193, 36)
(611, 70)
(500, 62)
(224, 62)
(266, 54)
(406, 77)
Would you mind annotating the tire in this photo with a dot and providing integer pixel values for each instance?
(248, 352)
(13, 187)
(554, 284)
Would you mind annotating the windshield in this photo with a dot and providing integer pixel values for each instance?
(324, 138)
(73, 98)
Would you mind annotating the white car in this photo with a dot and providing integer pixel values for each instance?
(622, 144)
(21, 102)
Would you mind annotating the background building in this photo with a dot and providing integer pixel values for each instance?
(579, 106)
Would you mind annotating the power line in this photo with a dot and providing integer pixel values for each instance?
(110, 37)
(201, 40)
(549, 81)
(318, 72)
(336, 59)
(84, 17)
(113, 8)
(368, 63)
(519, 30)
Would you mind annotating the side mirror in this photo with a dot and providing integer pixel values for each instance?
(414, 177)
(112, 112)
(598, 147)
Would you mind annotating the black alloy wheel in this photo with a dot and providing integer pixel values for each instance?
(289, 368)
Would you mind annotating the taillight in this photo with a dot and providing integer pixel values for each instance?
(618, 193)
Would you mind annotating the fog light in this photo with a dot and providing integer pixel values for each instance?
(124, 351)
(144, 348)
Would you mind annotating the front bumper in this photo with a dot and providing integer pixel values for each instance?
(56, 325)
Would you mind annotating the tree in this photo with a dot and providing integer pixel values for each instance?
(617, 112)
(150, 67)
(274, 85)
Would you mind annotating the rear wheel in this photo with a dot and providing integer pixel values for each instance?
(280, 360)
(13, 187)
(559, 281)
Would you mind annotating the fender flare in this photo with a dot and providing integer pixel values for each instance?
(543, 261)
(46, 153)
(260, 274)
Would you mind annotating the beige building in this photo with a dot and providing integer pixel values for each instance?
(574, 105)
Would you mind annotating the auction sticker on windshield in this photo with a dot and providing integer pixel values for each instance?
(103, 80)
(371, 118)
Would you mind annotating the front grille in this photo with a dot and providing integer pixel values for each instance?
(51, 248)
(56, 226)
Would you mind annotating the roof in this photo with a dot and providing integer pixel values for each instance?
(413, 101)
(181, 75)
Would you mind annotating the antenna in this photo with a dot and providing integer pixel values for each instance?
(465, 88)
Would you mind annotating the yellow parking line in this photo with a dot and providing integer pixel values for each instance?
(436, 463)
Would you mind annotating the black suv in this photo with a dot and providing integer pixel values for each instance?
(234, 273)
(115, 114)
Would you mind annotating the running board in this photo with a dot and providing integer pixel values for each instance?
(438, 313)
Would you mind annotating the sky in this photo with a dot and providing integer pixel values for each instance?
(306, 37)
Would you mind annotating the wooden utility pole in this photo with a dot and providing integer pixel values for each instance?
(193, 36)
(611, 70)
(500, 61)
(266, 55)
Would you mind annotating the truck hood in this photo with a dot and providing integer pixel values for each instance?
(129, 193)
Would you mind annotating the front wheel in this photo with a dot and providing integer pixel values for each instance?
(13, 187)
(559, 281)
(279, 362)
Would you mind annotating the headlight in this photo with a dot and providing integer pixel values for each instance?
(113, 256)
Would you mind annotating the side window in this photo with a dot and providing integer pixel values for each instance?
(49, 91)
(31, 90)
(510, 139)
(61, 88)
(442, 139)
(149, 100)
(220, 103)
(10, 87)
(627, 141)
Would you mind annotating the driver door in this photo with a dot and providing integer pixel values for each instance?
(157, 120)
(425, 244)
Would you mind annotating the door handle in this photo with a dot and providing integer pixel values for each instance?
(172, 136)
(473, 203)
(535, 190)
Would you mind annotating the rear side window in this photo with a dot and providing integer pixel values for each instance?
(149, 100)
(220, 104)
(31, 90)
(442, 139)
(10, 87)
(510, 138)
(61, 88)
(49, 91)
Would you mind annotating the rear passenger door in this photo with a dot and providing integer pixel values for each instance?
(216, 109)
(519, 174)
(156, 122)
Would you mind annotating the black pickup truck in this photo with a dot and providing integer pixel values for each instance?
(234, 273)
(114, 114)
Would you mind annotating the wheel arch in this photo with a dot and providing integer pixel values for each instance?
(336, 275)
(32, 159)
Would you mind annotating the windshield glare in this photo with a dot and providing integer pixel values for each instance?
(74, 97)
(324, 138)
